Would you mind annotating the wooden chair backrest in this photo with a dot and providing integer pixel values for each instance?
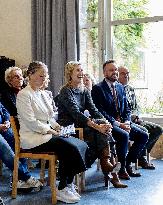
(15, 127)
(80, 133)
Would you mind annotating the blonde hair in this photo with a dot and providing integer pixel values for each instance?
(69, 67)
(9, 74)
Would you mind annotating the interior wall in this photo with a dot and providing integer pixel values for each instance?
(15, 30)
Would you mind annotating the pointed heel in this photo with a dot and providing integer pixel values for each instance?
(107, 180)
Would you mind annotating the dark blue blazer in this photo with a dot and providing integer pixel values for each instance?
(104, 101)
(4, 114)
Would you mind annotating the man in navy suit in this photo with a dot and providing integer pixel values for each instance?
(110, 99)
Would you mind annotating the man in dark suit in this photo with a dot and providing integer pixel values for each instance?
(110, 99)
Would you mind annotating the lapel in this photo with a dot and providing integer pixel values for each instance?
(109, 95)
(47, 102)
(107, 91)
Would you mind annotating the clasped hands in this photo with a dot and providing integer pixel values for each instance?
(4, 127)
(105, 128)
(55, 130)
(125, 126)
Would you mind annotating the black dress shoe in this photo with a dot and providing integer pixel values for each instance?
(146, 165)
(131, 172)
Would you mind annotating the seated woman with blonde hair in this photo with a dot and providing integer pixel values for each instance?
(39, 132)
(73, 100)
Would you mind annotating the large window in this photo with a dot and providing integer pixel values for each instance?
(89, 47)
(130, 31)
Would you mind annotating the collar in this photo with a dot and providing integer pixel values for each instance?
(109, 83)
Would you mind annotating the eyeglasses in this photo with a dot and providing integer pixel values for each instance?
(125, 73)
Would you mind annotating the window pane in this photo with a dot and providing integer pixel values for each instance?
(126, 9)
(88, 11)
(140, 48)
(89, 51)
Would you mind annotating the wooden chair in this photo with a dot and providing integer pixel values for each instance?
(136, 163)
(20, 153)
(1, 166)
(80, 178)
(148, 157)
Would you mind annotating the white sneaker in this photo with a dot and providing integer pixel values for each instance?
(20, 185)
(34, 183)
(67, 196)
(1, 201)
(73, 188)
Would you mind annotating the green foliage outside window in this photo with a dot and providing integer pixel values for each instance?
(128, 41)
(92, 16)
(128, 38)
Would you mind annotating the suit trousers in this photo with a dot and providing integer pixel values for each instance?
(139, 138)
(154, 130)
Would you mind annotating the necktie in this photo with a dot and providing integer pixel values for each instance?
(115, 100)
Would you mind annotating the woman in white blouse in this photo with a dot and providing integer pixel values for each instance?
(40, 132)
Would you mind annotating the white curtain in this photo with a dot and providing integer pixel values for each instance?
(55, 36)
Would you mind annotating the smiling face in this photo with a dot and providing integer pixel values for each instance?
(111, 72)
(124, 75)
(77, 75)
(16, 79)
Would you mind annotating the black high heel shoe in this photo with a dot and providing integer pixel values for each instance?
(107, 179)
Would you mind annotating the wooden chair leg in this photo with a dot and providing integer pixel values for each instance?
(42, 171)
(77, 182)
(136, 165)
(49, 174)
(82, 181)
(148, 157)
(15, 178)
(1, 166)
(52, 177)
(98, 165)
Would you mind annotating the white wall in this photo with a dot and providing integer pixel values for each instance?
(15, 30)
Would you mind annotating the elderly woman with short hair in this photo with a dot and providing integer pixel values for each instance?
(14, 79)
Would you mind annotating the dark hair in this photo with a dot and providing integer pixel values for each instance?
(108, 62)
(34, 66)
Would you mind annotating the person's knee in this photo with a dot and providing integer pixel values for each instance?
(125, 138)
(159, 130)
(144, 137)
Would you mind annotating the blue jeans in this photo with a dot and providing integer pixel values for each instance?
(7, 155)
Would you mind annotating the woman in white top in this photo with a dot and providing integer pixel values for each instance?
(39, 132)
